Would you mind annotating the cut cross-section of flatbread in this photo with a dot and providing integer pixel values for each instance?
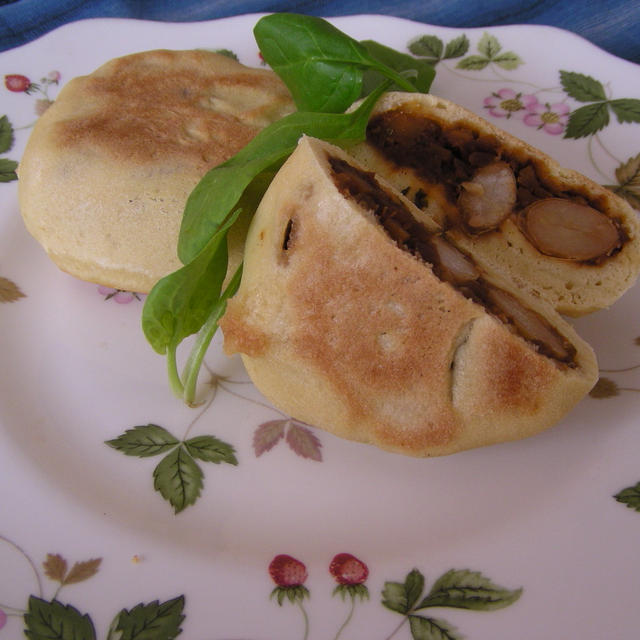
(355, 314)
(550, 229)
(109, 166)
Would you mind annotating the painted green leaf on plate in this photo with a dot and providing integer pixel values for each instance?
(144, 441)
(582, 87)
(153, 621)
(6, 134)
(464, 589)
(473, 63)
(427, 47)
(626, 109)
(630, 496)
(178, 479)
(53, 620)
(489, 45)
(432, 629)
(457, 47)
(402, 596)
(508, 60)
(210, 449)
(8, 170)
(587, 120)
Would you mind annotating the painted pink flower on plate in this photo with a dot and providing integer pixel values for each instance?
(117, 295)
(551, 118)
(506, 103)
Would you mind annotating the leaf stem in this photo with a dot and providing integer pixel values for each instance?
(592, 157)
(204, 409)
(205, 335)
(12, 611)
(399, 78)
(256, 402)
(505, 79)
(402, 623)
(452, 71)
(306, 620)
(23, 553)
(25, 126)
(623, 370)
(172, 369)
(198, 351)
(605, 149)
(348, 619)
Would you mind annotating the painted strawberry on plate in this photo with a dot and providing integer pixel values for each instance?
(18, 83)
(350, 573)
(289, 575)
(348, 570)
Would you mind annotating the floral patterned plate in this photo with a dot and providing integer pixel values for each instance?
(128, 515)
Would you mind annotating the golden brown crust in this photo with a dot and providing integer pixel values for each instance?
(572, 287)
(108, 168)
(341, 328)
(192, 107)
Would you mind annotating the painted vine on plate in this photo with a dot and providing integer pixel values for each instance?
(9, 290)
(7, 165)
(459, 589)
(18, 83)
(607, 387)
(47, 617)
(552, 114)
(179, 477)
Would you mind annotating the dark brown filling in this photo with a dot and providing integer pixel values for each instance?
(449, 264)
(452, 156)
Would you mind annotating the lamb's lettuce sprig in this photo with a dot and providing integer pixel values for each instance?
(326, 71)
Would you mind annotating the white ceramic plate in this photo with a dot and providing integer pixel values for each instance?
(84, 536)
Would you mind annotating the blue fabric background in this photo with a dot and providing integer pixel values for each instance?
(613, 25)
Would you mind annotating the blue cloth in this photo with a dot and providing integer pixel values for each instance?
(613, 25)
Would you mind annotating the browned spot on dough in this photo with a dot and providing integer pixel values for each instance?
(239, 335)
(145, 109)
(345, 297)
(517, 377)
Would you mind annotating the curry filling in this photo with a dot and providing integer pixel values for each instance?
(448, 263)
(484, 184)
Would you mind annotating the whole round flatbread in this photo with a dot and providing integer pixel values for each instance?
(108, 168)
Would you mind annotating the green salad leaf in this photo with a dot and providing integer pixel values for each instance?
(422, 72)
(326, 71)
(322, 66)
(221, 188)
